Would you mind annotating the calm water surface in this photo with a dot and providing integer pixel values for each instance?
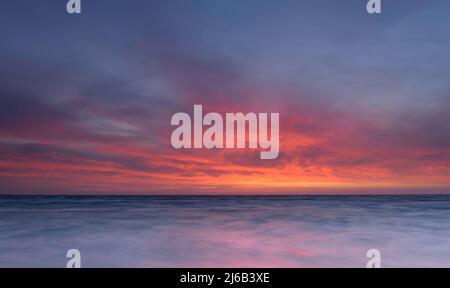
(297, 231)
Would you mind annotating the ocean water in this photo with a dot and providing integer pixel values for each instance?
(285, 231)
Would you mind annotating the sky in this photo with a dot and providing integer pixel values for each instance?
(86, 100)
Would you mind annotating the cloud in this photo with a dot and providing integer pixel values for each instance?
(99, 120)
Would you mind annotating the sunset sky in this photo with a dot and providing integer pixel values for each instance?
(86, 100)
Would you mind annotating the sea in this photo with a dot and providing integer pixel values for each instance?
(225, 231)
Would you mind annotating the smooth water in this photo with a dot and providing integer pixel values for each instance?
(297, 231)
